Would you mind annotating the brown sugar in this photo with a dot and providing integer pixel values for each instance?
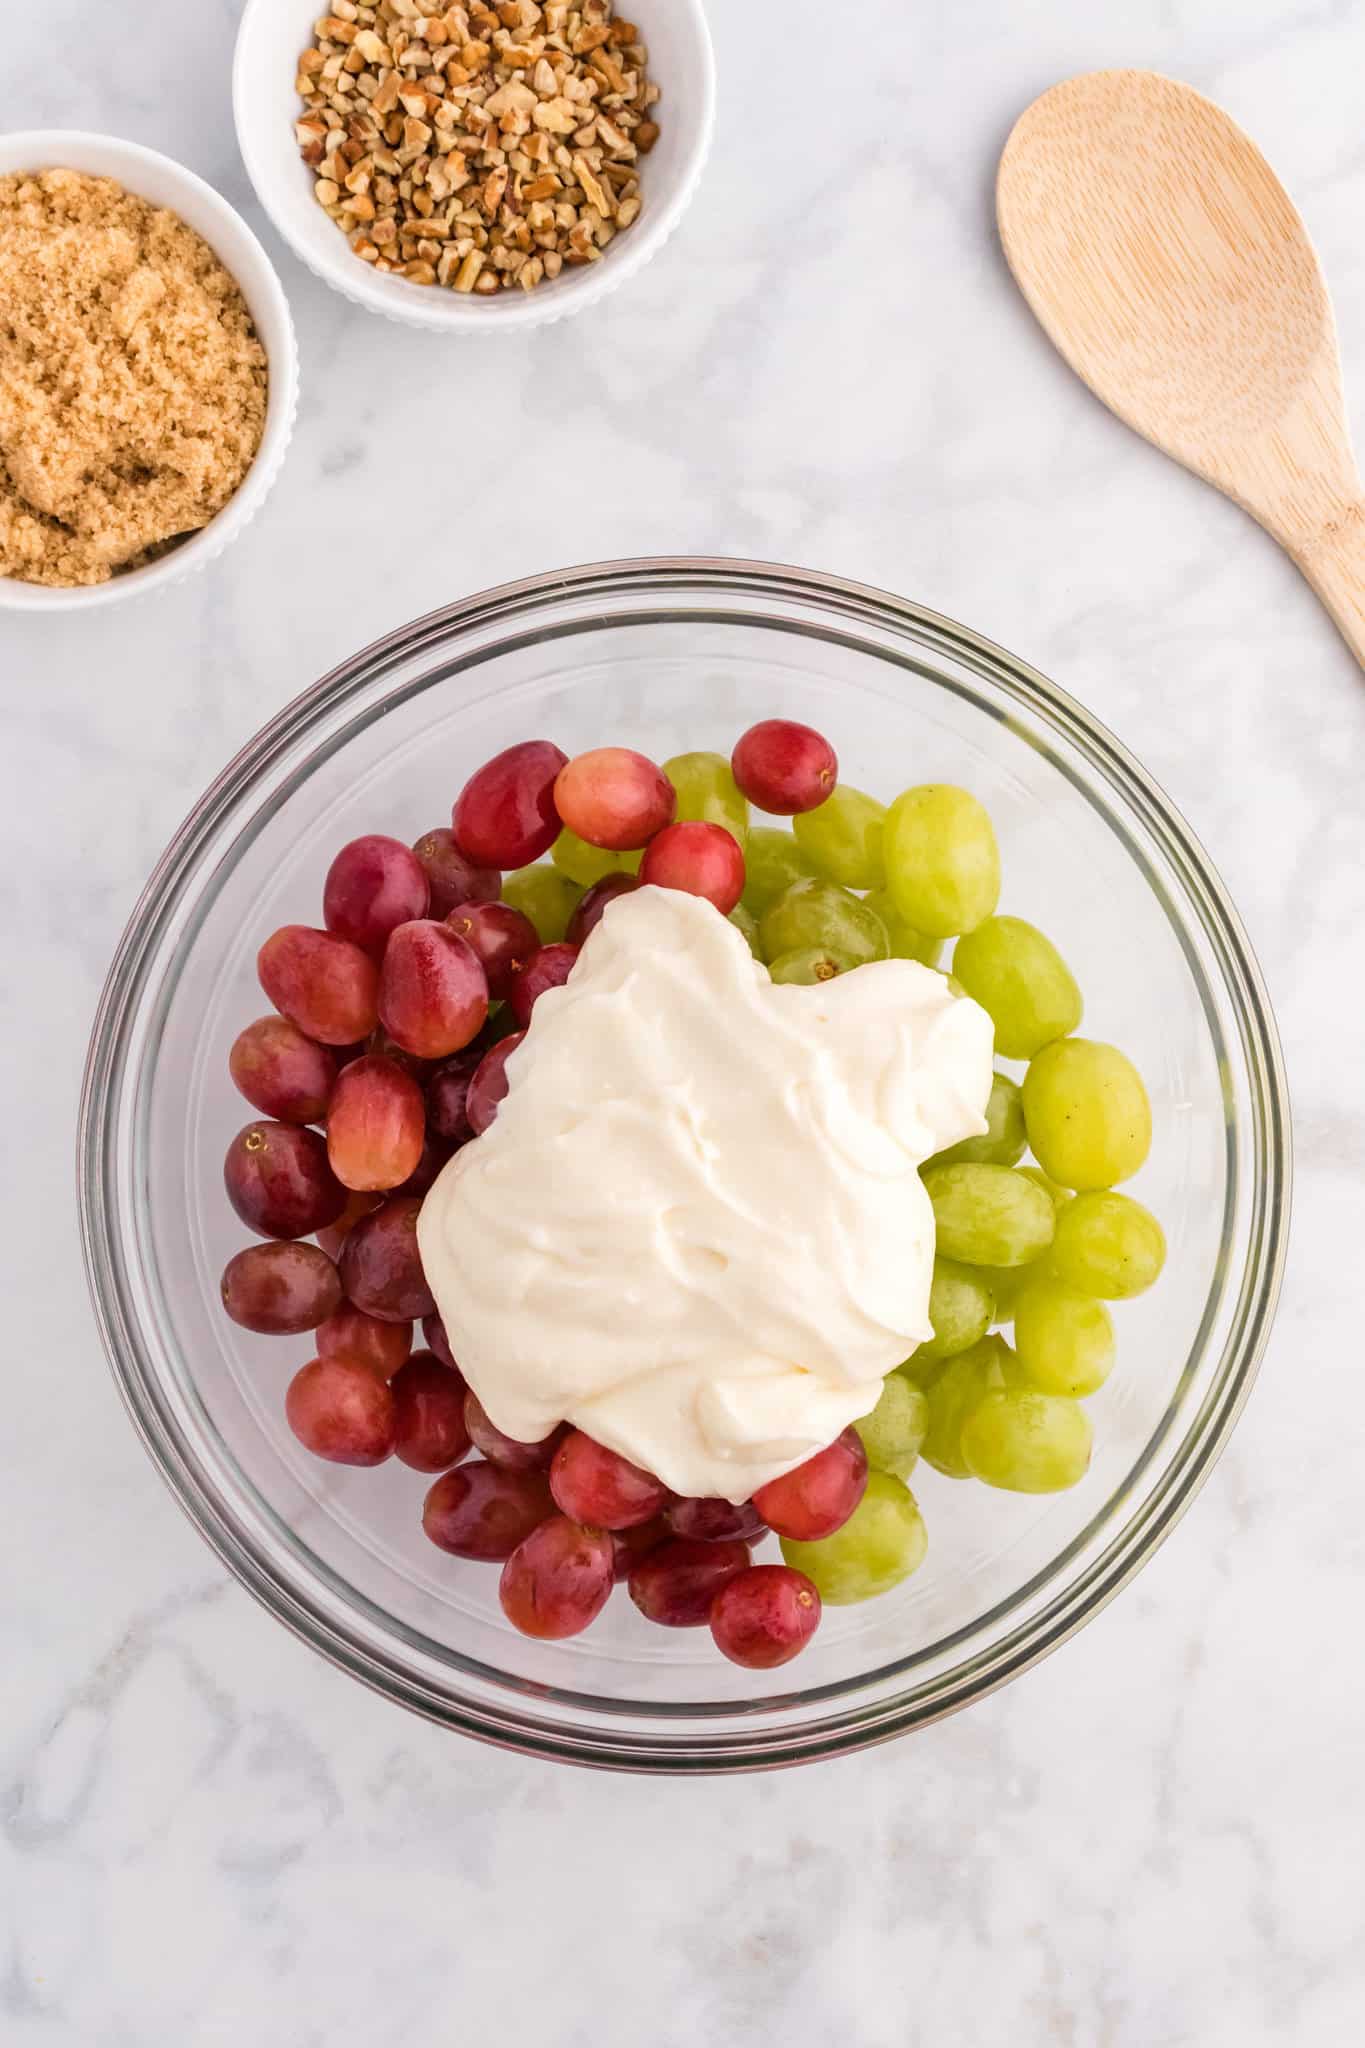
(132, 383)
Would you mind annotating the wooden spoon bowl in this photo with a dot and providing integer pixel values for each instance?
(1169, 267)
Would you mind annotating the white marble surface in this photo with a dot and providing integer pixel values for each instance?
(1154, 1841)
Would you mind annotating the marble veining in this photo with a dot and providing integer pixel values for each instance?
(1154, 1841)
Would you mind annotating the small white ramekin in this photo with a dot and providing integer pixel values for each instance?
(272, 36)
(166, 183)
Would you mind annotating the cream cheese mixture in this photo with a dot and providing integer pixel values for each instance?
(696, 1228)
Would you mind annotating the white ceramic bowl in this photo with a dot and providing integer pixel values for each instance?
(166, 183)
(272, 36)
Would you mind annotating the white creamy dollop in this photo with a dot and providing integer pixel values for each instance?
(696, 1228)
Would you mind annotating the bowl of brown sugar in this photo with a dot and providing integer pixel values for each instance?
(148, 371)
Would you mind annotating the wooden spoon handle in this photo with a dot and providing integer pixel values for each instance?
(1334, 564)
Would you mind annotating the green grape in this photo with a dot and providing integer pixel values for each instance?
(1058, 1195)
(989, 1215)
(544, 895)
(810, 964)
(707, 791)
(818, 913)
(921, 1371)
(842, 838)
(1026, 1442)
(1003, 1141)
(772, 862)
(906, 942)
(1108, 1245)
(962, 1385)
(745, 922)
(881, 1543)
(1007, 1283)
(894, 1431)
(1022, 981)
(942, 861)
(1088, 1117)
(1063, 1339)
(961, 1309)
(586, 864)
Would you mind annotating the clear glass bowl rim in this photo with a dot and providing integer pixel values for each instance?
(730, 1747)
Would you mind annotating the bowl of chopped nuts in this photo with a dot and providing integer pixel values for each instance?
(504, 161)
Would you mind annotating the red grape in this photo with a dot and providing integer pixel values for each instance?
(279, 1182)
(483, 1512)
(374, 885)
(324, 984)
(784, 767)
(334, 1235)
(434, 1331)
(428, 1404)
(376, 1125)
(448, 1096)
(594, 1485)
(550, 967)
(765, 1617)
(630, 1545)
(505, 815)
(588, 910)
(819, 1496)
(280, 1290)
(715, 1521)
(453, 877)
(433, 994)
(501, 937)
(504, 1450)
(350, 1333)
(433, 1156)
(705, 860)
(381, 1267)
(675, 1584)
(557, 1580)
(282, 1073)
(341, 1411)
(489, 1084)
(614, 798)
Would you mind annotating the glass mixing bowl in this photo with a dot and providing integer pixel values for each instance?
(666, 656)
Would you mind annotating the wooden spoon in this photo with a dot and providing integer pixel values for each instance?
(1165, 260)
